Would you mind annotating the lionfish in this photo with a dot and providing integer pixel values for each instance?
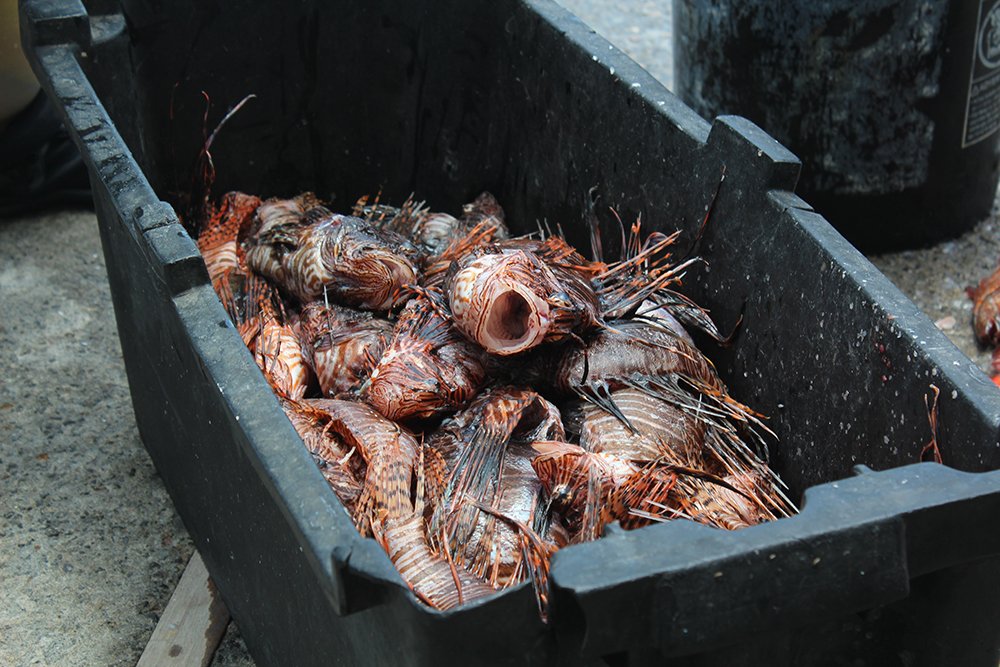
(313, 253)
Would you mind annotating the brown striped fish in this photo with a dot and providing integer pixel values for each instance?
(493, 512)
(319, 254)
(339, 465)
(427, 369)
(342, 345)
(508, 299)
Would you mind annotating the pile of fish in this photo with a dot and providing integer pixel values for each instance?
(476, 400)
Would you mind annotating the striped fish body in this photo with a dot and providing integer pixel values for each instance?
(342, 345)
(274, 344)
(498, 549)
(582, 485)
(335, 461)
(277, 351)
(705, 476)
(277, 229)
(611, 356)
(311, 252)
(390, 452)
(727, 508)
(662, 432)
(493, 515)
(347, 260)
(427, 369)
(219, 238)
(430, 576)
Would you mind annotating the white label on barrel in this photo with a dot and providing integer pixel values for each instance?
(982, 108)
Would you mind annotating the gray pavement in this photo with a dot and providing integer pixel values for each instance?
(90, 546)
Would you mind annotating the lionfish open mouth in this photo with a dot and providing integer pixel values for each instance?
(514, 322)
(498, 301)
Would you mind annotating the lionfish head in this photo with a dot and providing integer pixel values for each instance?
(500, 302)
(403, 400)
(370, 268)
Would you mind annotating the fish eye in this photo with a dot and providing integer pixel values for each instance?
(560, 300)
(562, 494)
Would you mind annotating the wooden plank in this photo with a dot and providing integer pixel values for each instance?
(192, 625)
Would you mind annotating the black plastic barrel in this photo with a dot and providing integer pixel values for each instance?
(892, 105)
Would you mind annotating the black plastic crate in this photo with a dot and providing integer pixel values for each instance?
(446, 99)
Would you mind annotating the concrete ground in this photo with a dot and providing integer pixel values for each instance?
(90, 546)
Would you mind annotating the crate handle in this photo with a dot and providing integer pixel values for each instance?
(855, 546)
(47, 22)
